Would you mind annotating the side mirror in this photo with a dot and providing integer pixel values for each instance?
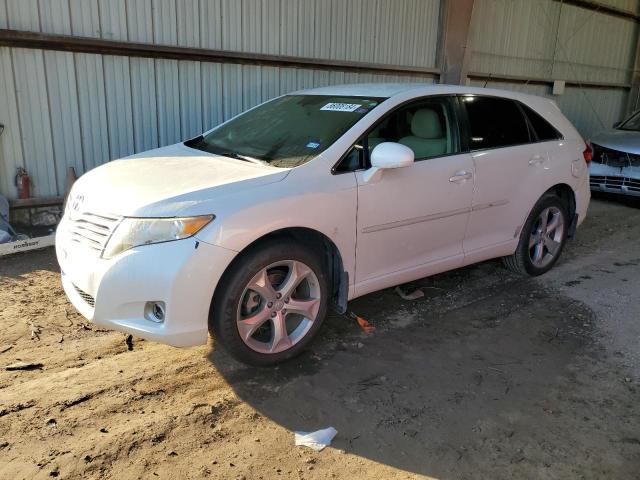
(388, 155)
(617, 124)
(391, 155)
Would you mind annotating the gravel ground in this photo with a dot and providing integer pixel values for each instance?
(489, 375)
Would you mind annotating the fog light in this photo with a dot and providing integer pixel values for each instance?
(155, 311)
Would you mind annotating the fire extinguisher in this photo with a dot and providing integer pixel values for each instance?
(23, 183)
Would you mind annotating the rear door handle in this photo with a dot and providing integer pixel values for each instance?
(536, 159)
(461, 176)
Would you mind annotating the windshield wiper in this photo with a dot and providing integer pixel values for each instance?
(198, 144)
(244, 158)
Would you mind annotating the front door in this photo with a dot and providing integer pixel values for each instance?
(411, 221)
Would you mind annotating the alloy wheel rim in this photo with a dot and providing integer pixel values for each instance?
(278, 306)
(546, 236)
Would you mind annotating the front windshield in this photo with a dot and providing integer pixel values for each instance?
(633, 123)
(287, 131)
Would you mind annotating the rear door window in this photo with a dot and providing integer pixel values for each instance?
(495, 123)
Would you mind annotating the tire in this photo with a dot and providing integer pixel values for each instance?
(527, 259)
(261, 284)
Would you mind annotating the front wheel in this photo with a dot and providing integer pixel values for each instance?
(542, 238)
(270, 304)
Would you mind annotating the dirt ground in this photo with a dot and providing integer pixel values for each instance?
(488, 376)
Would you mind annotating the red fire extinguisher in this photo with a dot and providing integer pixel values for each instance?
(23, 183)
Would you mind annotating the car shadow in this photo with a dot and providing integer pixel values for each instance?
(627, 200)
(469, 373)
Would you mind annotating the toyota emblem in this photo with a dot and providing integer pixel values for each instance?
(77, 203)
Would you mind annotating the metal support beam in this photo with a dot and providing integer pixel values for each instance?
(602, 8)
(490, 77)
(66, 43)
(454, 41)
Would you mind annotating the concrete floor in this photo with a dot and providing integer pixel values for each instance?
(489, 375)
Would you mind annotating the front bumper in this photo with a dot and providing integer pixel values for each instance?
(183, 274)
(605, 178)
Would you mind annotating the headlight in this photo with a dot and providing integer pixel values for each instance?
(133, 232)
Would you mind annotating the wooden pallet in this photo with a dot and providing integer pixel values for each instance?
(36, 202)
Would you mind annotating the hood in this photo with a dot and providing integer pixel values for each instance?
(166, 182)
(623, 140)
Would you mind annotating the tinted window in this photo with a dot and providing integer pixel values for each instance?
(495, 123)
(543, 130)
(354, 160)
(426, 126)
(287, 131)
(632, 123)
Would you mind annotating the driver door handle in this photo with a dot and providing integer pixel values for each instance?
(461, 176)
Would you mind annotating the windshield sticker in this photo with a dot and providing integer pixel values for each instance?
(313, 145)
(341, 107)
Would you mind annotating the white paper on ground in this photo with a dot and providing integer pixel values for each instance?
(316, 440)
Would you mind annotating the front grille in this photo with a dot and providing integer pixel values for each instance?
(91, 230)
(614, 158)
(615, 183)
(85, 296)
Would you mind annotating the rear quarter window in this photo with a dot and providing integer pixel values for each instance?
(542, 129)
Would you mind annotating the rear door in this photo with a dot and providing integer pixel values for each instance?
(510, 169)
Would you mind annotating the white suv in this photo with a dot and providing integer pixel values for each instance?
(253, 229)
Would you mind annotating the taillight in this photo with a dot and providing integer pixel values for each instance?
(588, 152)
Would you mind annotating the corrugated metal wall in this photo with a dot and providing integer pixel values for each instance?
(74, 109)
(66, 109)
(548, 39)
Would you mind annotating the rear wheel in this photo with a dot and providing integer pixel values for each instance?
(270, 304)
(542, 238)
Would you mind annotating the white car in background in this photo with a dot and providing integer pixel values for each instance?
(253, 229)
